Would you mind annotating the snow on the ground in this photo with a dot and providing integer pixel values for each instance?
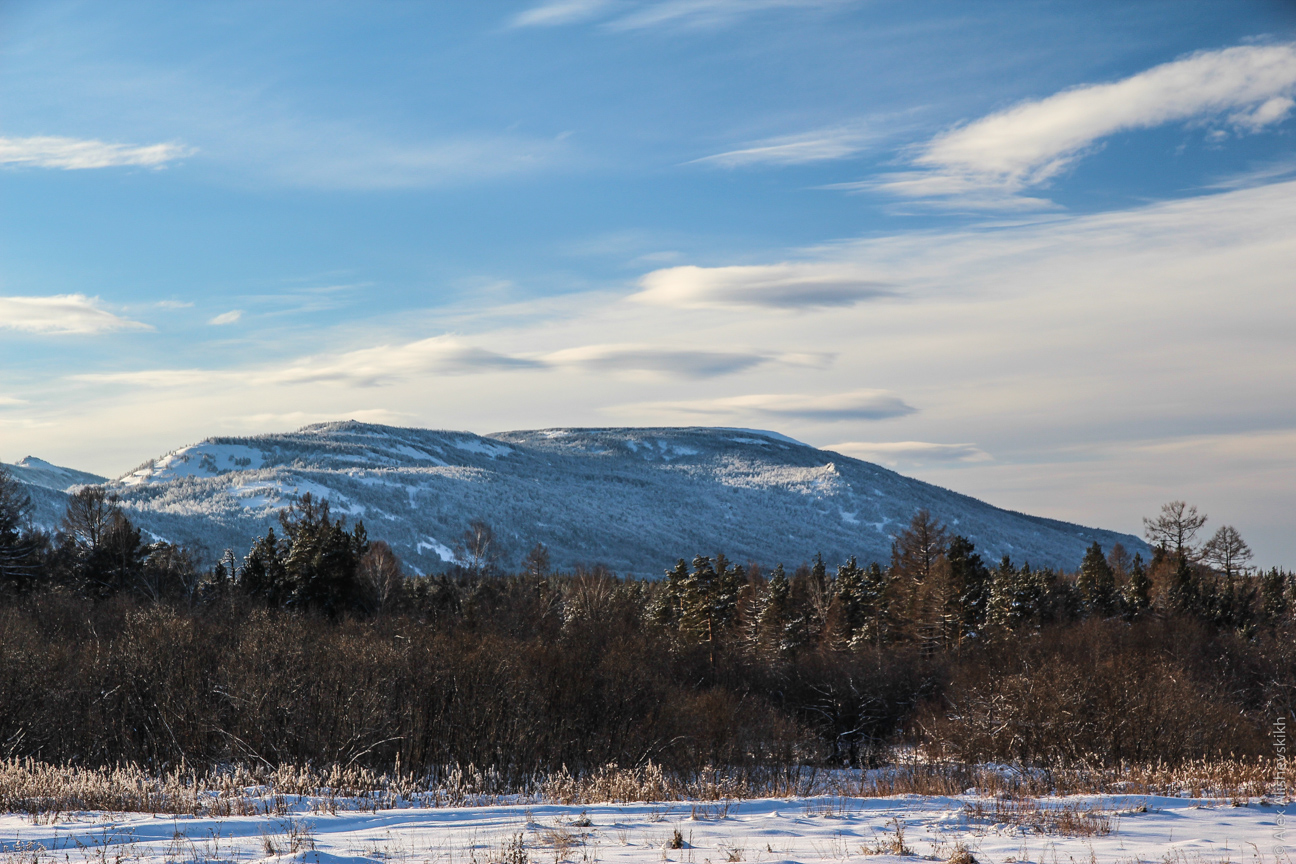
(1167, 831)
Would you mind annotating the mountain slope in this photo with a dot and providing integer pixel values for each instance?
(633, 499)
(47, 486)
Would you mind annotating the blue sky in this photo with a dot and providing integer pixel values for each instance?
(1038, 252)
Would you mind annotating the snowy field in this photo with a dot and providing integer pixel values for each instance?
(1090, 829)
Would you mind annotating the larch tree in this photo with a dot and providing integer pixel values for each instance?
(1175, 528)
(1227, 552)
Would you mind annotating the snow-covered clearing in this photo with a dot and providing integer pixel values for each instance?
(1124, 830)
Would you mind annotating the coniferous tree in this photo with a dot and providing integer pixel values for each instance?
(668, 605)
(876, 600)
(322, 557)
(1137, 596)
(1096, 582)
(1273, 596)
(971, 581)
(776, 615)
(846, 612)
(18, 564)
(1184, 594)
(264, 574)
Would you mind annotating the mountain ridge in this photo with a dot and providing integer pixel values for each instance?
(632, 498)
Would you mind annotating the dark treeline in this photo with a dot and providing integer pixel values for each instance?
(316, 647)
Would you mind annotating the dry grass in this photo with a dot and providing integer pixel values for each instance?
(46, 792)
(1071, 820)
(890, 842)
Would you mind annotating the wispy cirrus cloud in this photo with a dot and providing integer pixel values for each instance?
(558, 12)
(901, 452)
(62, 314)
(991, 161)
(355, 160)
(804, 285)
(676, 362)
(73, 154)
(832, 407)
(817, 146)
(229, 317)
(630, 15)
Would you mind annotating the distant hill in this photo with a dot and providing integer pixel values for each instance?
(634, 499)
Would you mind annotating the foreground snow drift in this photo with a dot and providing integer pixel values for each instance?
(1124, 829)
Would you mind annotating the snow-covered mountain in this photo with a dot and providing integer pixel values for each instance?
(634, 499)
(47, 486)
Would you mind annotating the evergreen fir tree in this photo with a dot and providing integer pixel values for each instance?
(1137, 597)
(1273, 597)
(1097, 582)
(1184, 594)
(971, 582)
(668, 605)
(775, 616)
(847, 611)
(875, 600)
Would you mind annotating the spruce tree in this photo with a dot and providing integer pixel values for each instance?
(1097, 582)
(1137, 597)
(1273, 597)
(668, 605)
(971, 582)
(17, 545)
(775, 616)
(847, 611)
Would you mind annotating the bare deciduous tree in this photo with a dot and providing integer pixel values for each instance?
(918, 547)
(90, 516)
(1227, 552)
(536, 563)
(477, 550)
(380, 575)
(1175, 528)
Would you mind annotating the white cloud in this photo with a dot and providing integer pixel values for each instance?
(62, 313)
(559, 12)
(11, 401)
(359, 160)
(818, 146)
(629, 15)
(706, 13)
(75, 153)
(853, 405)
(647, 358)
(992, 159)
(229, 317)
(368, 367)
(159, 378)
(776, 286)
(899, 452)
